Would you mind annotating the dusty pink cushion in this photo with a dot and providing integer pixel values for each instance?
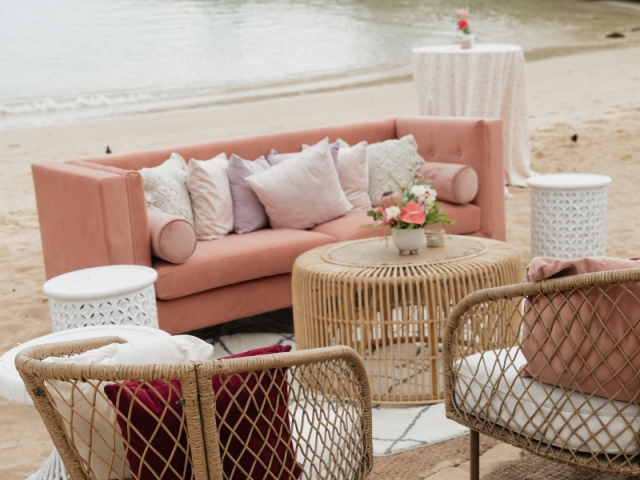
(582, 342)
(172, 238)
(454, 183)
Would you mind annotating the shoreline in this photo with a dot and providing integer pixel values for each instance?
(279, 90)
(585, 94)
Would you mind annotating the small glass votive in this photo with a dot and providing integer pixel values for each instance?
(435, 237)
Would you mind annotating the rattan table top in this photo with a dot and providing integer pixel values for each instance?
(380, 252)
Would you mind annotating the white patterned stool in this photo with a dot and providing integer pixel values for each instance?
(109, 295)
(568, 215)
(12, 388)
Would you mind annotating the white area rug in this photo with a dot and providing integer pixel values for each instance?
(395, 429)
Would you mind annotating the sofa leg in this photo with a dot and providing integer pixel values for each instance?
(474, 455)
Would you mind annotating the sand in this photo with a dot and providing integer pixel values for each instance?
(594, 95)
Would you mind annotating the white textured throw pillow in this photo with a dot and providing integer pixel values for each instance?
(398, 158)
(354, 175)
(208, 186)
(103, 437)
(165, 187)
(302, 191)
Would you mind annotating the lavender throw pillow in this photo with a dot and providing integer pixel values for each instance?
(248, 212)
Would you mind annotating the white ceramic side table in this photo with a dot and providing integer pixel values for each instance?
(109, 295)
(12, 388)
(568, 215)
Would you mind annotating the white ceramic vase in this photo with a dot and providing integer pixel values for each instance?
(468, 40)
(408, 242)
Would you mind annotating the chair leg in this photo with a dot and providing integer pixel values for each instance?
(474, 455)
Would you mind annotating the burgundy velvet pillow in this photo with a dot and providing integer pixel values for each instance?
(266, 434)
(264, 396)
(151, 402)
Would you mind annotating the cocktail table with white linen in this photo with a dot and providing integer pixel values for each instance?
(485, 81)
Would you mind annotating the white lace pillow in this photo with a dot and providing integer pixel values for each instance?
(397, 158)
(165, 188)
(208, 186)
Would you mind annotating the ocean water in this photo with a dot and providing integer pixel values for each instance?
(69, 60)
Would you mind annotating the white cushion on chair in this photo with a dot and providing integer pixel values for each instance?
(530, 407)
(87, 415)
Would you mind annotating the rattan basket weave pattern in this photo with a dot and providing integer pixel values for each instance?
(391, 309)
(595, 316)
(328, 403)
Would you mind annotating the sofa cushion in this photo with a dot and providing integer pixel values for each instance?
(467, 218)
(453, 182)
(248, 212)
(302, 191)
(210, 193)
(234, 259)
(397, 158)
(349, 227)
(165, 187)
(172, 238)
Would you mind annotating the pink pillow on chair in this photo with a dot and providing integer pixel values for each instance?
(583, 341)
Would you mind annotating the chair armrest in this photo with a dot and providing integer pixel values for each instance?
(90, 217)
(467, 141)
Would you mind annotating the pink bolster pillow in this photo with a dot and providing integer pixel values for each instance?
(583, 341)
(453, 182)
(172, 238)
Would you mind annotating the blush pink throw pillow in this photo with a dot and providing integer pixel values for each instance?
(587, 342)
(256, 424)
(173, 239)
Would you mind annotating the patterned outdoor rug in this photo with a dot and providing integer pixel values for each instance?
(395, 429)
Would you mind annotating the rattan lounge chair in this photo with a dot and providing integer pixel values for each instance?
(290, 415)
(580, 336)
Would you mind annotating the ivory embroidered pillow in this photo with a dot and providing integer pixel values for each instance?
(165, 187)
(208, 186)
(302, 191)
(398, 158)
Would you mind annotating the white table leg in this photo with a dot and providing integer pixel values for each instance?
(51, 469)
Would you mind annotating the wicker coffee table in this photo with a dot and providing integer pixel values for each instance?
(392, 309)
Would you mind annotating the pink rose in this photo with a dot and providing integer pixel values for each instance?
(463, 24)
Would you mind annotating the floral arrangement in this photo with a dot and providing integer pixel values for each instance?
(413, 206)
(463, 22)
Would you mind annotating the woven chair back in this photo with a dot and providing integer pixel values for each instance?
(303, 415)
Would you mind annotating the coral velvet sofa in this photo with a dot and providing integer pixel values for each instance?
(92, 212)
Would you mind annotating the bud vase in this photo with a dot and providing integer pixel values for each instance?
(408, 242)
(468, 40)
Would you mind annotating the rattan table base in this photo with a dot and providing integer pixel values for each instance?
(391, 309)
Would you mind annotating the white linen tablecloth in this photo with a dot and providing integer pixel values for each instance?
(485, 81)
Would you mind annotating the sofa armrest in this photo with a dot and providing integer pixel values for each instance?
(90, 217)
(468, 141)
